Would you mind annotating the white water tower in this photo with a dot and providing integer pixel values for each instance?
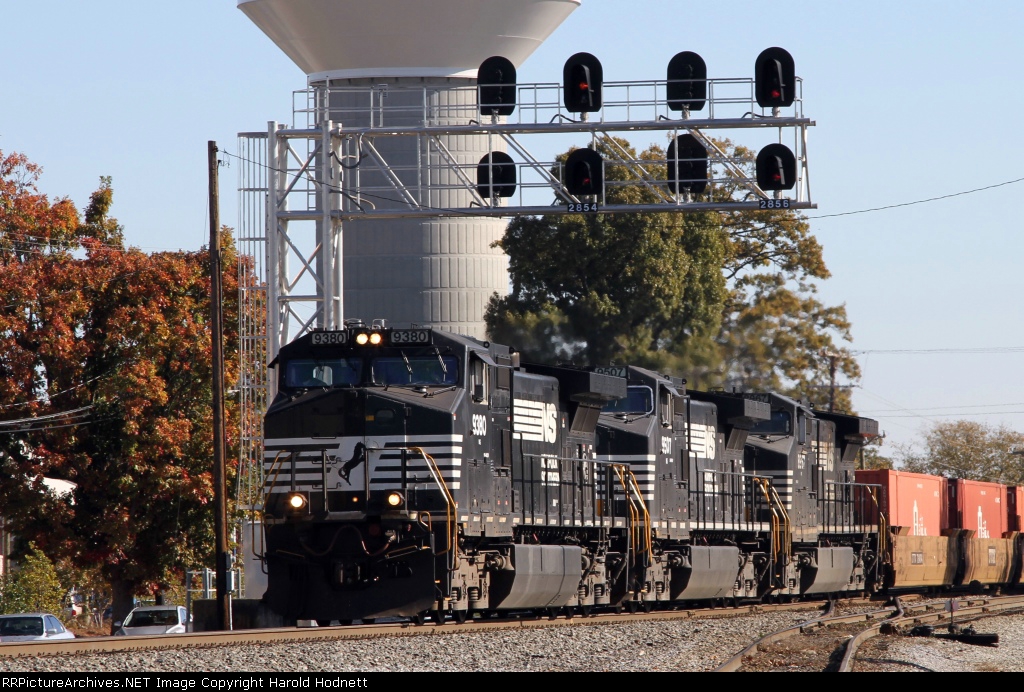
(409, 63)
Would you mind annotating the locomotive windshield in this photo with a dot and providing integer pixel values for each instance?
(781, 423)
(425, 369)
(334, 372)
(413, 370)
(639, 399)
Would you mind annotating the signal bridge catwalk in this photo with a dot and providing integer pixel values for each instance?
(364, 182)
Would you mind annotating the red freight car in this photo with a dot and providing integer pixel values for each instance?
(978, 517)
(918, 553)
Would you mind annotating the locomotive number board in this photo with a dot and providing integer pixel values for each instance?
(410, 336)
(330, 338)
(613, 370)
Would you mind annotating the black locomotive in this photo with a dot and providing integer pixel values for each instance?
(420, 474)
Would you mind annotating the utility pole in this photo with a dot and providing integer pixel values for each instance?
(217, 328)
(832, 357)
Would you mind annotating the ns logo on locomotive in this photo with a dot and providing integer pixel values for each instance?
(417, 473)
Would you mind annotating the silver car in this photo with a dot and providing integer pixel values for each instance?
(32, 627)
(163, 619)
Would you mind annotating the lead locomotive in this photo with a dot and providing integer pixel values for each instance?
(418, 473)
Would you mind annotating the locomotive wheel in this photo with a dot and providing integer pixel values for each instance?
(460, 616)
(323, 623)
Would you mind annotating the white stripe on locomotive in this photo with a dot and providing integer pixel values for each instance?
(384, 467)
(536, 421)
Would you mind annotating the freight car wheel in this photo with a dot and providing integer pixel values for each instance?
(632, 606)
(420, 618)
(586, 611)
(460, 616)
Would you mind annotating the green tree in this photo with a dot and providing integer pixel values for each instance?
(33, 586)
(871, 458)
(721, 298)
(968, 449)
(108, 350)
(613, 287)
(776, 334)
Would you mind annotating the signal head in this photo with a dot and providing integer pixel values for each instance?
(774, 78)
(582, 77)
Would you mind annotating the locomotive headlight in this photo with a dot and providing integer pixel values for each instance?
(369, 338)
(395, 500)
(296, 501)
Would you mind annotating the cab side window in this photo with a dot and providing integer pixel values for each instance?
(665, 407)
(478, 384)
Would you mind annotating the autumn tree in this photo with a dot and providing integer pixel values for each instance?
(110, 352)
(721, 298)
(968, 449)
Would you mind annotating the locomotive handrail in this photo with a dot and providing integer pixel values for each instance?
(273, 481)
(883, 525)
(450, 534)
(781, 531)
(787, 527)
(629, 483)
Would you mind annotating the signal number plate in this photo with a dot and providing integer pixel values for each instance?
(774, 204)
(578, 207)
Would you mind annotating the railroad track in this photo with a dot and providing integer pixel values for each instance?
(831, 643)
(109, 644)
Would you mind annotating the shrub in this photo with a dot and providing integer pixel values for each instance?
(33, 586)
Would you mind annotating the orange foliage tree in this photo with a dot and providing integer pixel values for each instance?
(105, 357)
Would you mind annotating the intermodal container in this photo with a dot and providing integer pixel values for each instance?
(913, 502)
(978, 506)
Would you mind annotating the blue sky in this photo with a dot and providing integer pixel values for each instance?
(912, 100)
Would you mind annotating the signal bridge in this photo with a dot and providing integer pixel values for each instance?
(362, 181)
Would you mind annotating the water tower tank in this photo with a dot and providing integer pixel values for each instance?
(425, 53)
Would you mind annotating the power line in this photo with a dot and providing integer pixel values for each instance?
(941, 408)
(959, 415)
(920, 201)
(924, 351)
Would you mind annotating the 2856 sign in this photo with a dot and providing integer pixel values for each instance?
(773, 204)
